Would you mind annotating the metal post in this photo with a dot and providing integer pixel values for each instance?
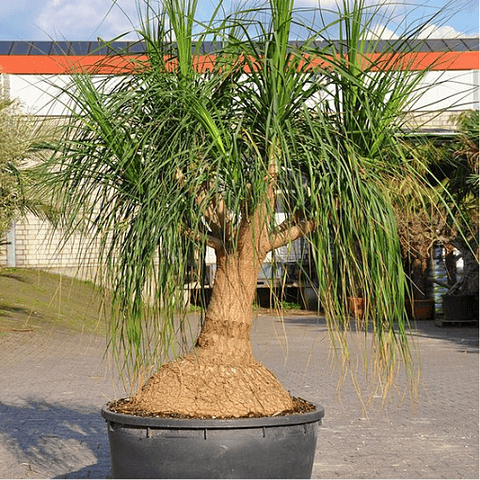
(11, 248)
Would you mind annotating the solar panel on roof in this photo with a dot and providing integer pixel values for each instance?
(437, 45)
(93, 47)
(20, 48)
(60, 48)
(5, 48)
(80, 48)
(40, 48)
(467, 44)
(135, 47)
(116, 47)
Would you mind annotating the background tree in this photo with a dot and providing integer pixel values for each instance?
(14, 149)
(22, 140)
(196, 151)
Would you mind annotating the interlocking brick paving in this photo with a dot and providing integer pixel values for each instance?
(54, 383)
(436, 437)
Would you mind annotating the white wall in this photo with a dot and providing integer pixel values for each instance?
(453, 90)
(456, 90)
(42, 94)
(36, 244)
(39, 94)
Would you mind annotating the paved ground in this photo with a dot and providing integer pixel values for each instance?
(53, 385)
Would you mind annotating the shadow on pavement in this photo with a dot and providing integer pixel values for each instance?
(52, 441)
(466, 338)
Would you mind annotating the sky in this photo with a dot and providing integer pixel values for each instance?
(89, 19)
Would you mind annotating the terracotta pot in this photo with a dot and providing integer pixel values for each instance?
(420, 309)
(356, 306)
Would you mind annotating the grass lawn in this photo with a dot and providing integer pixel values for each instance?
(34, 299)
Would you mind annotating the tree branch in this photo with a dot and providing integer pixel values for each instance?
(286, 233)
(216, 214)
(212, 241)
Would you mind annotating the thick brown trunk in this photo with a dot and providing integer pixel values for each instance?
(225, 335)
(220, 377)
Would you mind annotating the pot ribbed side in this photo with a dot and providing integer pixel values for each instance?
(266, 447)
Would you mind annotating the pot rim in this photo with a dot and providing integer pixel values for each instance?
(220, 423)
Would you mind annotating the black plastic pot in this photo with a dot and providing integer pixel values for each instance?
(267, 447)
(460, 307)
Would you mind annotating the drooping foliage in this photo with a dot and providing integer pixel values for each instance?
(225, 121)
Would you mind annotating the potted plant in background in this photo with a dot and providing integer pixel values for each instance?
(416, 230)
(458, 166)
(441, 209)
(223, 121)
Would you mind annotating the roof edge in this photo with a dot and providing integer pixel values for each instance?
(99, 48)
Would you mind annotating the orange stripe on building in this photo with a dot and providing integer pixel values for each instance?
(119, 64)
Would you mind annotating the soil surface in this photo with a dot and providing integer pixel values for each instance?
(124, 405)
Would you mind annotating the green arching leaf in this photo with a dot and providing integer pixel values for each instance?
(159, 165)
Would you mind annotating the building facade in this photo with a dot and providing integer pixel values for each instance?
(31, 72)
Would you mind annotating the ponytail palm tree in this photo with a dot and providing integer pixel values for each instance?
(198, 149)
